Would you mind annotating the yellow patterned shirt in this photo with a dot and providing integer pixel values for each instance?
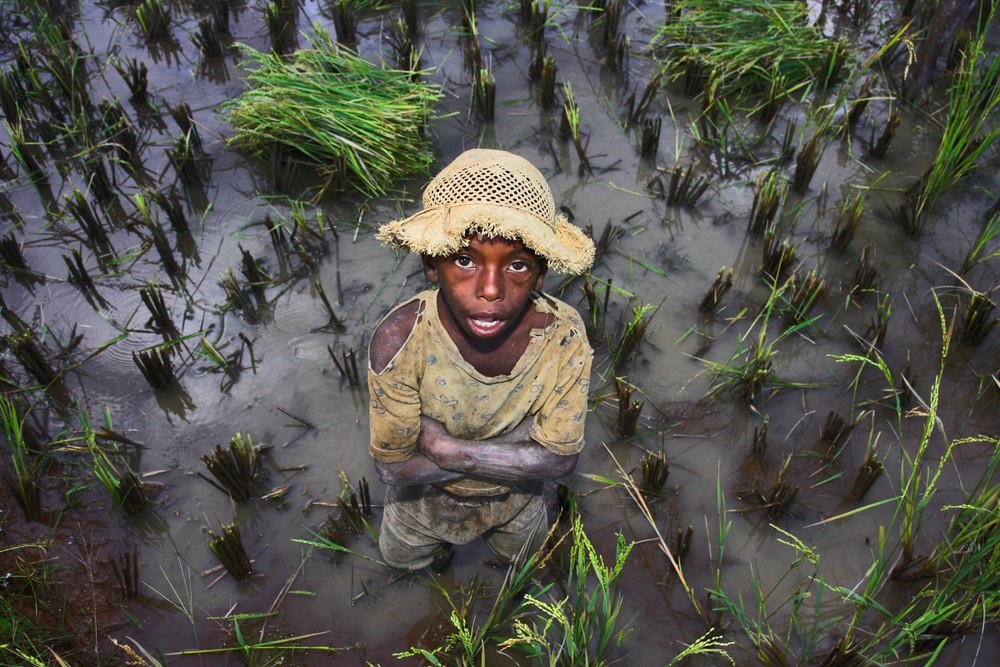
(428, 376)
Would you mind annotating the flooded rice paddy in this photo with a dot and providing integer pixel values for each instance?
(290, 346)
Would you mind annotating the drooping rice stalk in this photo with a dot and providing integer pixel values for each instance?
(228, 548)
(723, 283)
(327, 104)
(235, 468)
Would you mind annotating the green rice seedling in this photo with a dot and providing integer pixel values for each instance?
(153, 19)
(597, 308)
(877, 148)
(80, 277)
(334, 105)
(170, 204)
(126, 490)
(472, 51)
(347, 365)
(684, 186)
(239, 298)
(636, 110)
(236, 468)
(628, 409)
(626, 343)
(334, 322)
(547, 89)
(156, 366)
(569, 127)
(24, 154)
(582, 627)
(865, 275)
(776, 500)
(402, 38)
(280, 26)
(33, 357)
(208, 40)
(654, 475)
(847, 222)
(160, 319)
(875, 334)
(758, 443)
(969, 129)
(777, 95)
(125, 570)
(28, 467)
(136, 76)
(979, 252)
(777, 258)
(806, 161)
(11, 254)
(746, 48)
(723, 283)
(860, 103)
(649, 141)
(118, 130)
(345, 22)
(228, 548)
(750, 367)
(769, 194)
(231, 365)
(802, 297)
(836, 430)
(484, 94)
(868, 473)
(186, 161)
(977, 321)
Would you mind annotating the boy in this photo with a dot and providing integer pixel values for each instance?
(479, 388)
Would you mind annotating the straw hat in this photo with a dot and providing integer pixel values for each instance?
(497, 194)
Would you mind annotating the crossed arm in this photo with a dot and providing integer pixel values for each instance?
(441, 457)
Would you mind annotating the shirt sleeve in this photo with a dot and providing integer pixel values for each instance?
(559, 422)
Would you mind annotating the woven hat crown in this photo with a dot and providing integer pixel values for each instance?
(493, 177)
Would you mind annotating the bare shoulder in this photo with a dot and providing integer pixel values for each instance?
(391, 333)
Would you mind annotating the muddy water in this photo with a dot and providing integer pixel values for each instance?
(314, 424)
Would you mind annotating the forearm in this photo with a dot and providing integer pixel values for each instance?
(503, 458)
(417, 469)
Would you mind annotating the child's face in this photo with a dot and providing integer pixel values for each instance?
(486, 286)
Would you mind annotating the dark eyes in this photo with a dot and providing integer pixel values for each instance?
(517, 266)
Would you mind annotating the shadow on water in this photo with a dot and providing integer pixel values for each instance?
(273, 359)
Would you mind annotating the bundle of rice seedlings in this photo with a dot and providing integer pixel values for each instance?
(747, 45)
(235, 468)
(228, 547)
(328, 105)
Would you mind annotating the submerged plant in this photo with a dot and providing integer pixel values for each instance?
(235, 468)
(228, 547)
(327, 104)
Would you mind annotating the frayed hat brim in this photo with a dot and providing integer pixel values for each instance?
(442, 231)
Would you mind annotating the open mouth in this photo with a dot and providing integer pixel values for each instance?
(485, 326)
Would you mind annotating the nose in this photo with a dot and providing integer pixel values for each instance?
(490, 284)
